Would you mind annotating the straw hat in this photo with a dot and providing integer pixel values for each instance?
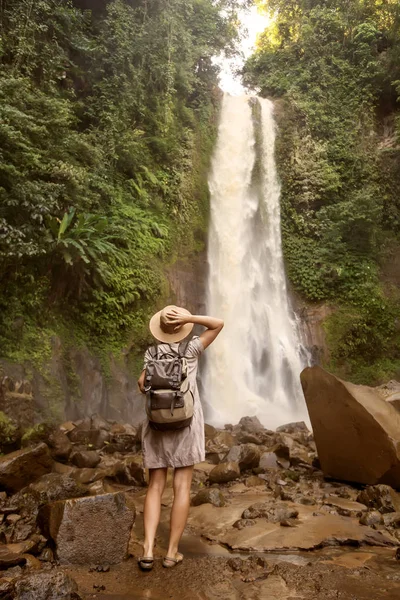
(163, 331)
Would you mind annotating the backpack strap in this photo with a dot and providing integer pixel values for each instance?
(181, 352)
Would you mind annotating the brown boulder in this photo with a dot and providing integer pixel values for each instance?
(357, 433)
(24, 466)
(225, 472)
(60, 446)
(85, 459)
(94, 529)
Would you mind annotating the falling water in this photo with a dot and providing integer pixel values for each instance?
(253, 367)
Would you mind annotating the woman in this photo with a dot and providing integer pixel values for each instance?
(180, 449)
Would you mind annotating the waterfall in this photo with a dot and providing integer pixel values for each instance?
(253, 367)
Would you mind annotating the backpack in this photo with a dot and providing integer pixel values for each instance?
(169, 399)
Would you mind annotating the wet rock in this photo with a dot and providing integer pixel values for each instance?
(134, 471)
(241, 523)
(24, 466)
(88, 459)
(91, 529)
(392, 520)
(209, 495)
(46, 586)
(380, 497)
(306, 500)
(345, 507)
(10, 559)
(356, 431)
(93, 438)
(371, 519)
(247, 455)
(277, 457)
(254, 481)
(60, 446)
(274, 513)
(224, 472)
(218, 446)
(87, 476)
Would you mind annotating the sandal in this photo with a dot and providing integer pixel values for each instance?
(174, 561)
(146, 563)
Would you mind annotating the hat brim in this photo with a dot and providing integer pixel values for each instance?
(161, 336)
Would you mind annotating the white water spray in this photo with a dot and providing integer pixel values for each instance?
(253, 367)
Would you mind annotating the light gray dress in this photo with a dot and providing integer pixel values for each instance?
(182, 447)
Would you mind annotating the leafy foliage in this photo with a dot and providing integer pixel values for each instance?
(107, 116)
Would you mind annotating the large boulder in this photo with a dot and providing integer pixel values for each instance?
(46, 586)
(24, 466)
(225, 472)
(94, 529)
(357, 433)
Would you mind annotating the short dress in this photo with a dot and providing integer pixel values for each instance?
(180, 447)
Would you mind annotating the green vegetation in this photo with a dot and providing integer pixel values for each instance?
(9, 432)
(335, 66)
(107, 120)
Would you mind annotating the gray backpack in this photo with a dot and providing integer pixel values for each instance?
(169, 399)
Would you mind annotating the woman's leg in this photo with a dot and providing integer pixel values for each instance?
(180, 507)
(152, 508)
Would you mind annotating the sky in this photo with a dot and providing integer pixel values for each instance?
(254, 23)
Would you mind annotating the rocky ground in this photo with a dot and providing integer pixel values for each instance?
(264, 522)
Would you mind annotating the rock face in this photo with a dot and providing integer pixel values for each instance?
(46, 586)
(356, 431)
(94, 529)
(24, 466)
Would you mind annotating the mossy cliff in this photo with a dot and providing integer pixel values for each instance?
(109, 113)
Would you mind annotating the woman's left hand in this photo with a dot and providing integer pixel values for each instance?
(177, 318)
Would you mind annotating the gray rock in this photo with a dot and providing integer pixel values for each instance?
(380, 497)
(209, 496)
(94, 529)
(224, 472)
(251, 424)
(46, 586)
(24, 466)
(88, 459)
(247, 455)
(273, 512)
